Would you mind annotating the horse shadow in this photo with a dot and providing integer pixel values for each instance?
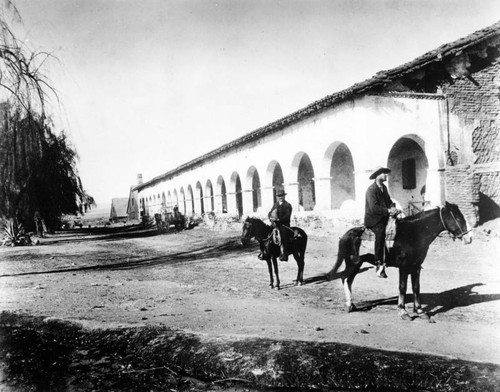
(436, 303)
(328, 277)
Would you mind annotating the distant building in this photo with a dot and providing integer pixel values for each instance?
(133, 205)
(434, 121)
(118, 209)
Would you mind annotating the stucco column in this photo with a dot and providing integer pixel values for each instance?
(322, 193)
(231, 203)
(189, 207)
(267, 198)
(218, 204)
(247, 201)
(362, 182)
(434, 187)
(292, 191)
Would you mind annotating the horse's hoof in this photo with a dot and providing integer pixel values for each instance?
(422, 315)
(276, 288)
(404, 315)
(350, 308)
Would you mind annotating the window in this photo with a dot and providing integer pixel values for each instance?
(409, 174)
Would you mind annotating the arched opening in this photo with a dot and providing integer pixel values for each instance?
(278, 181)
(209, 192)
(190, 201)
(182, 201)
(169, 201)
(238, 195)
(221, 186)
(199, 197)
(305, 178)
(175, 201)
(342, 182)
(409, 165)
(256, 194)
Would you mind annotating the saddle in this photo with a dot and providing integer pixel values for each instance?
(368, 236)
(276, 236)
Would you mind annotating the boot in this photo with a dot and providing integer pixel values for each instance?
(283, 255)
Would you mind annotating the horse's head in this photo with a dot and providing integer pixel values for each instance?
(454, 221)
(247, 232)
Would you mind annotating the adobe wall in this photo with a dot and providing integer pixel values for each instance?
(473, 157)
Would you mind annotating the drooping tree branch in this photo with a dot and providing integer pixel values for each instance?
(21, 73)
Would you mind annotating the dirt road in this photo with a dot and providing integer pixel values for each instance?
(205, 282)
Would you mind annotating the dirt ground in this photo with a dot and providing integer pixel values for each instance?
(204, 282)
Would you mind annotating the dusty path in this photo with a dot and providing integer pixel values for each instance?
(204, 282)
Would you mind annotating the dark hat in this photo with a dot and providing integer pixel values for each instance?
(379, 170)
(280, 193)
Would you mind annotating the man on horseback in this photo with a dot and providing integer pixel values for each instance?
(378, 207)
(280, 216)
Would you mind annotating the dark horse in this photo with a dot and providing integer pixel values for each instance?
(254, 227)
(414, 235)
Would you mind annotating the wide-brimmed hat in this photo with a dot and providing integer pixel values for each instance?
(379, 170)
(280, 193)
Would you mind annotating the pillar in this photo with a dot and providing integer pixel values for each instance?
(247, 202)
(322, 192)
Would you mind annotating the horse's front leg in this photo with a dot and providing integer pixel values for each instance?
(270, 269)
(276, 273)
(415, 284)
(403, 283)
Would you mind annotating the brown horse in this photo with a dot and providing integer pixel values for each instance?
(414, 235)
(255, 228)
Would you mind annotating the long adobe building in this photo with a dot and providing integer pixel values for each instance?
(434, 122)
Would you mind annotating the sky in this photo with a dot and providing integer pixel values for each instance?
(145, 86)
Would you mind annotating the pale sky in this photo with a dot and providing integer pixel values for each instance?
(145, 86)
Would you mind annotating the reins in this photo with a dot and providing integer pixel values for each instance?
(462, 233)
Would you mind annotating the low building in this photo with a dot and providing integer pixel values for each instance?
(433, 121)
(119, 209)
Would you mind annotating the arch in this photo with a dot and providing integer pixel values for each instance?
(182, 201)
(274, 177)
(235, 188)
(169, 200)
(209, 193)
(190, 201)
(302, 165)
(409, 170)
(199, 197)
(175, 201)
(339, 164)
(222, 192)
(253, 182)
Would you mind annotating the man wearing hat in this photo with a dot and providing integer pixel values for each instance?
(378, 207)
(280, 215)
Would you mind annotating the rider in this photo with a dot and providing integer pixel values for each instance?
(280, 216)
(378, 207)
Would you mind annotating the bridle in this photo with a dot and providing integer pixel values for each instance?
(462, 233)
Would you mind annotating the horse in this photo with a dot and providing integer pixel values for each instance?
(255, 228)
(414, 235)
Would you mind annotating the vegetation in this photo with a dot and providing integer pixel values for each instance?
(38, 177)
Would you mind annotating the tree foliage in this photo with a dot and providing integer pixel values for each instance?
(21, 75)
(38, 174)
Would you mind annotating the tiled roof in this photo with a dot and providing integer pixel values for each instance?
(375, 83)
